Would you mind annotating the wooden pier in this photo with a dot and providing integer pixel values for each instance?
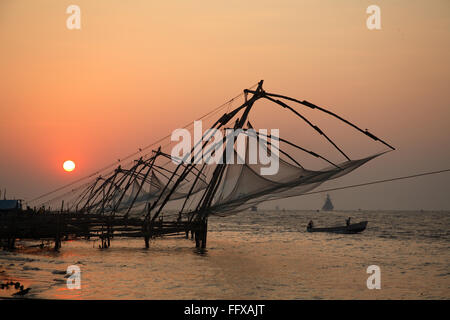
(60, 226)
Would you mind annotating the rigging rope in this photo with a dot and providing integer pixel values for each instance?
(377, 181)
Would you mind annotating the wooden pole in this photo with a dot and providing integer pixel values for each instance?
(146, 227)
(197, 238)
(204, 232)
(57, 236)
(108, 230)
(147, 241)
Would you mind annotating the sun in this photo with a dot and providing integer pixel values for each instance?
(69, 165)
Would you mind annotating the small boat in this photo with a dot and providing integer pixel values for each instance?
(352, 228)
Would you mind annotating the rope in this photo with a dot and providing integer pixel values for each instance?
(378, 181)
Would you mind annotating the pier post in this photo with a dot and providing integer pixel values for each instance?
(147, 241)
(204, 232)
(57, 243)
(11, 233)
(11, 243)
(58, 236)
(146, 231)
(108, 230)
(197, 238)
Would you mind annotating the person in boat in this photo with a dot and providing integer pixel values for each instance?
(347, 221)
(310, 224)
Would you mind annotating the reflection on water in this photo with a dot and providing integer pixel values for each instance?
(252, 255)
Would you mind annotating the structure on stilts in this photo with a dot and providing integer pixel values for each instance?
(162, 194)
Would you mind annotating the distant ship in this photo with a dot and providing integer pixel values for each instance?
(328, 205)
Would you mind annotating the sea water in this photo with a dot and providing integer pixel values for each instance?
(252, 255)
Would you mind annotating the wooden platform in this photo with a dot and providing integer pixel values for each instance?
(59, 226)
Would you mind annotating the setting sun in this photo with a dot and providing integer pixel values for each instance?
(69, 165)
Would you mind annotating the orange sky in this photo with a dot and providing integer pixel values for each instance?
(139, 69)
